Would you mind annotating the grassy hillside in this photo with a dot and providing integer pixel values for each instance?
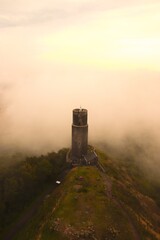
(120, 203)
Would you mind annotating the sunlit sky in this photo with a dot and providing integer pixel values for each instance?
(56, 55)
(117, 35)
(125, 38)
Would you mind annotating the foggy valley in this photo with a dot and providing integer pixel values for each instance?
(56, 56)
(36, 116)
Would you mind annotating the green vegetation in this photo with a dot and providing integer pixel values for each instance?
(85, 209)
(119, 204)
(21, 183)
(137, 192)
(78, 207)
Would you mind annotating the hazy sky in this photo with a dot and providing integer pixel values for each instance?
(57, 55)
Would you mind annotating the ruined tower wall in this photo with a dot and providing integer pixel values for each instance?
(79, 134)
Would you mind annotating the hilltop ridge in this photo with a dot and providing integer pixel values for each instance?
(120, 203)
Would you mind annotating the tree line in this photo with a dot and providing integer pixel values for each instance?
(20, 183)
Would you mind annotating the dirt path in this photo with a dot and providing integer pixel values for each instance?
(108, 188)
(31, 211)
(38, 237)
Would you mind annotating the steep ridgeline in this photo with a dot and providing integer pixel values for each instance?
(120, 203)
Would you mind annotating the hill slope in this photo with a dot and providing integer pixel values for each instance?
(120, 203)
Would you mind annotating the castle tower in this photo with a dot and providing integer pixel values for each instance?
(79, 134)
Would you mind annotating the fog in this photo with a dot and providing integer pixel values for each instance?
(38, 115)
(59, 56)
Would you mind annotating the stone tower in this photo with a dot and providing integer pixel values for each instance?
(79, 135)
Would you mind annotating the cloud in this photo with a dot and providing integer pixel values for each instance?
(23, 13)
(69, 53)
(31, 18)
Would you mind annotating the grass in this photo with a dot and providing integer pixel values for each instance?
(137, 191)
(32, 228)
(88, 205)
(81, 201)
